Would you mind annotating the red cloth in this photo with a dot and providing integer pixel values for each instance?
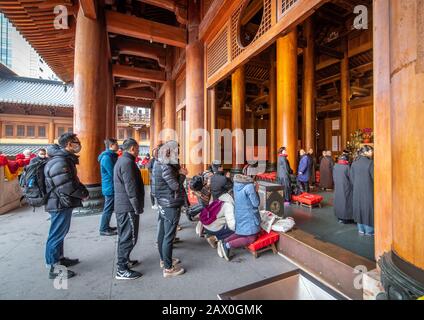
(264, 240)
(344, 162)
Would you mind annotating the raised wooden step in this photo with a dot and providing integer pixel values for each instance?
(326, 261)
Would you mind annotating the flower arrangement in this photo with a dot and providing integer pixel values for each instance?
(358, 138)
(367, 135)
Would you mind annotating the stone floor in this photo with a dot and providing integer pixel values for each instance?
(23, 274)
(323, 224)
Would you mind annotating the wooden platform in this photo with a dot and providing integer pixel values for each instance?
(328, 262)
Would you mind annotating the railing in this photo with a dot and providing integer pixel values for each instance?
(135, 118)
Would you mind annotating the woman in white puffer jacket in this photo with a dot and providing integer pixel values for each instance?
(225, 222)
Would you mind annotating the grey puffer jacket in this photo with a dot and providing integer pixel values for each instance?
(62, 183)
(168, 182)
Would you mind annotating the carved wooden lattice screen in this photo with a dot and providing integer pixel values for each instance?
(217, 52)
(264, 27)
(284, 6)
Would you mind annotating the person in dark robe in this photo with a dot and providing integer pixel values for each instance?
(303, 171)
(312, 166)
(343, 191)
(326, 171)
(362, 177)
(283, 174)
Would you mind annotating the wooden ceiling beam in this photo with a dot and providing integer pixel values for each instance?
(179, 10)
(137, 49)
(89, 8)
(135, 94)
(132, 102)
(140, 28)
(137, 74)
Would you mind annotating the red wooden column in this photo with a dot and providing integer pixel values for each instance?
(91, 100)
(194, 90)
(345, 89)
(272, 144)
(399, 118)
(157, 112)
(111, 106)
(152, 129)
(238, 118)
(170, 109)
(287, 135)
(309, 86)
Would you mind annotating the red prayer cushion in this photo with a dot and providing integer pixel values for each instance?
(310, 199)
(264, 240)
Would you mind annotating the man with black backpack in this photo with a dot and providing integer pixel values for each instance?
(65, 192)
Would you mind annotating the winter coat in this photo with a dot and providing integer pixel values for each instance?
(246, 206)
(283, 169)
(62, 182)
(326, 172)
(107, 161)
(219, 184)
(362, 177)
(304, 169)
(283, 176)
(128, 185)
(225, 216)
(169, 183)
(342, 191)
(150, 167)
(312, 166)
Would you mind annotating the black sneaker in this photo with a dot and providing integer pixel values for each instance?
(64, 274)
(108, 233)
(127, 274)
(113, 228)
(68, 262)
(132, 263)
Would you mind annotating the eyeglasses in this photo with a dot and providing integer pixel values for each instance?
(76, 142)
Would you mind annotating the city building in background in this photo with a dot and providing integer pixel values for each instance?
(17, 54)
(35, 112)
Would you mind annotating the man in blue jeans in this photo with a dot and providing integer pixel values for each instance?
(65, 192)
(107, 161)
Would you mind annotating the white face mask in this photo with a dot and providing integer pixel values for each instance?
(42, 156)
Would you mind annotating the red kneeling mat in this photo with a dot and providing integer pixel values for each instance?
(264, 240)
(309, 199)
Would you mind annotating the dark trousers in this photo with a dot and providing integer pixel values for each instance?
(285, 182)
(152, 199)
(168, 222)
(59, 227)
(128, 225)
(222, 234)
(238, 241)
(304, 186)
(107, 214)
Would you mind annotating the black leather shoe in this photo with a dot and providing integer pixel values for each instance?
(64, 274)
(66, 262)
(108, 233)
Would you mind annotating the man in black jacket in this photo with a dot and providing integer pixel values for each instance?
(170, 195)
(129, 204)
(65, 193)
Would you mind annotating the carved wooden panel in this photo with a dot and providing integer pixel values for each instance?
(217, 52)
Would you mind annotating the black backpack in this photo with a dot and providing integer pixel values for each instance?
(33, 184)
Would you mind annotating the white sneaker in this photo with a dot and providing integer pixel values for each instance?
(155, 207)
(218, 249)
(199, 229)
